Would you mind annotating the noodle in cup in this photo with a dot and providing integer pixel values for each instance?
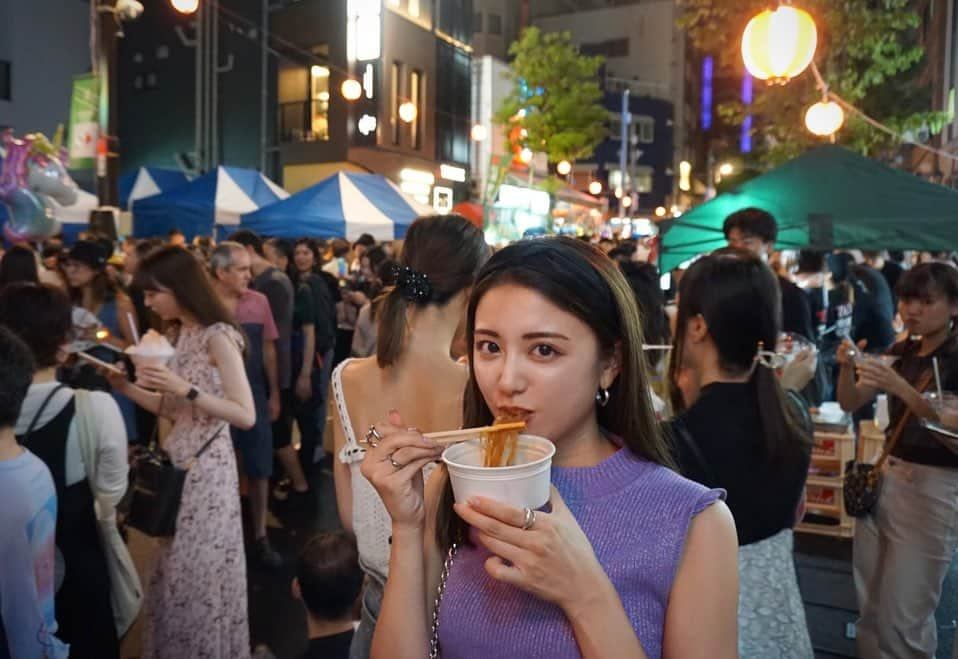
(524, 484)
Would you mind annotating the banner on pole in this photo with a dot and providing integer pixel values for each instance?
(84, 121)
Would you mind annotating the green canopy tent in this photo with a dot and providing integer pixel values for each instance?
(827, 198)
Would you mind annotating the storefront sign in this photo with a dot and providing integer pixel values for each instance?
(442, 199)
(451, 173)
(84, 122)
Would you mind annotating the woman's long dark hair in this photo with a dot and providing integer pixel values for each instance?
(581, 280)
(644, 280)
(175, 269)
(448, 250)
(739, 298)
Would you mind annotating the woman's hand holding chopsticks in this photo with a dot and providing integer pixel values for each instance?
(395, 457)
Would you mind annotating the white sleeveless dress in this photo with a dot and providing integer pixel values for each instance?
(371, 523)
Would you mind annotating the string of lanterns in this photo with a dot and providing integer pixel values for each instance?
(780, 44)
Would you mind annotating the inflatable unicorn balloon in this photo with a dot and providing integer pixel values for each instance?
(33, 173)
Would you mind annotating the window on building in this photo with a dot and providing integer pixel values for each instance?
(611, 48)
(319, 102)
(643, 179)
(495, 24)
(644, 129)
(454, 18)
(453, 105)
(6, 84)
(303, 96)
(395, 100)
(640, 177)
(477, 23)
(416, 98)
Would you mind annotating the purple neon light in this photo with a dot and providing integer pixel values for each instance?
(745, 143)
(708, 69)
(747, 89)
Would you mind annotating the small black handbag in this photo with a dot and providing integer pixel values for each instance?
(862, 483)
(158, 489)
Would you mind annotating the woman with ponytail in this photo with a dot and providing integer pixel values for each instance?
(735, 429)
(412, 370)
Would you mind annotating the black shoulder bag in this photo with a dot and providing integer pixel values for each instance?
(158, 489)
(862, 483)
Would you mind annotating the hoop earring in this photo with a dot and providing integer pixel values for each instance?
(602, 397)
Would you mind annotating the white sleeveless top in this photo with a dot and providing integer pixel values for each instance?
(371, 523)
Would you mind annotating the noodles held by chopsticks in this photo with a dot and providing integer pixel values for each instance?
(499, 446)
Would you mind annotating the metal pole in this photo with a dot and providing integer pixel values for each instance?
(198, 131)
(263, 91)
(214, 74)
(108, 167)
(623, 152)
(206, 88)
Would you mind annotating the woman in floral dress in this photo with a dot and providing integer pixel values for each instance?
(196, 600)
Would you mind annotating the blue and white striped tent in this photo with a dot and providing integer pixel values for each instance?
(344, 205)
(216, 199)
(148, 181)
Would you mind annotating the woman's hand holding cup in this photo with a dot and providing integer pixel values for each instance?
(551, 557)
(395, 457)
(848, 352)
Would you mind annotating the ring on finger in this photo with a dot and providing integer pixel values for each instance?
(396, 465)
(530, 519)
(370, 434)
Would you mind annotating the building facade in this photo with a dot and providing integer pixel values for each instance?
(645, 52)
(402, 53)
(495, 26)
(398, 53)
(43, 45)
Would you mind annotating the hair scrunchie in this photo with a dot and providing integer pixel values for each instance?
(414, 286)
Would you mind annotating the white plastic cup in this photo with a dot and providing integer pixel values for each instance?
(140, 360)
(523, 485)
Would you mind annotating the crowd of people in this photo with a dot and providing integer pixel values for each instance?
(682, 440)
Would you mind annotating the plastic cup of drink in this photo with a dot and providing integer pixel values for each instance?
(524, 484)
(945, 406)
(149, 359)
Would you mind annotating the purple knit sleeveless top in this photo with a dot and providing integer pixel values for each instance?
(635, 513)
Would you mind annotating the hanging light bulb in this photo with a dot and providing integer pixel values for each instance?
(408, 112)
(778, 45)
(824, 118)
(563, 168)
(185, 6)
(595, 188)
(479, 133)
(351, 89)
(525, 156)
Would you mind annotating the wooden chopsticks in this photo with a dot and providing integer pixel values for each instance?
(448, 437)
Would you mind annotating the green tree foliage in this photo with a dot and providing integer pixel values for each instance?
(868, 53)
(558, 89)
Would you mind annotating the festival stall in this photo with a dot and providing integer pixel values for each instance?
(346, 205)
(214, 201)
(147, 182)
(827, 198)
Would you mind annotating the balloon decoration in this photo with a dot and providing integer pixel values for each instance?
(34, 175)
